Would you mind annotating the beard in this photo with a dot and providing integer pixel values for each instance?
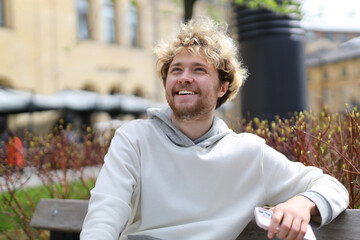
(204, 104)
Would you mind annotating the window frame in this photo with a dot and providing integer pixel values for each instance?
(2, 13)
(83, 23)
(109, 21)
(133, 25)
(5, 13)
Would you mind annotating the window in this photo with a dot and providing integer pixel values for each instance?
(108, 14)
(325, 75)
(5, 13)
(310, 35)
(343, 72)
(2, 13)
(330, 36)
(327, 97)
(345, 95)
(133, 23)
(311, 98)
(82, 7)
(343, 37)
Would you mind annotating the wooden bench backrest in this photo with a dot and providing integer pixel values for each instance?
(67, 215)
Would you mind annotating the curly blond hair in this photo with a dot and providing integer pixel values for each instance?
(204, 36)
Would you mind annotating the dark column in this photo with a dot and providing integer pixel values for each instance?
(272, 48)
(188, 9)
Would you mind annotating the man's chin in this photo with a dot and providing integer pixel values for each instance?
(185, 112)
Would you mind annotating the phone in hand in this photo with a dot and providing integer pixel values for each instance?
(263, 218)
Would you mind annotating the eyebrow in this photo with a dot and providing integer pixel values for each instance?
(193, 64)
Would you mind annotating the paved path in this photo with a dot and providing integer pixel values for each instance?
(30, 179)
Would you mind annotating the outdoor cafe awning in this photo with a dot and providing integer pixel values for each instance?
(15, 101)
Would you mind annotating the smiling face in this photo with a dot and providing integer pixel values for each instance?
(192, 86)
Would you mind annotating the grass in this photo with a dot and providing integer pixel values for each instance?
(23, 197)
(27, 198)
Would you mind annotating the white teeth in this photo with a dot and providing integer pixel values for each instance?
(186, 93)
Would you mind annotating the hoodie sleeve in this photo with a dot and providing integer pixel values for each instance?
(109, 205)
(285, 179)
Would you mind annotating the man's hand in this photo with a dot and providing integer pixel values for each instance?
(291, 218)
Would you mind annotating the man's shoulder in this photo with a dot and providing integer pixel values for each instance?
(137, 125)
(247, 137)
(243, 143)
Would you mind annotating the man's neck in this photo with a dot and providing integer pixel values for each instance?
(193, 128)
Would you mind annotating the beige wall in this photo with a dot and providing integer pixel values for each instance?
(41, 52)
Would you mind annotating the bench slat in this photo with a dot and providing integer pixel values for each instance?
(67, 215)
(345, 226)
(59, 214)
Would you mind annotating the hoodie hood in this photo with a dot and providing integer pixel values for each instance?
(162, 118)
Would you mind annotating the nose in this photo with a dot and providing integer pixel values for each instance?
(186, 77)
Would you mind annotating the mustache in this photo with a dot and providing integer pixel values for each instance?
(187, 86)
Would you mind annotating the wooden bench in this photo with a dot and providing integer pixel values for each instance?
(64, 218)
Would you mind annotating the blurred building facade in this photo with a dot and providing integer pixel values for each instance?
(333, 68)
(320, 38)
(99, 45)
(103, 45)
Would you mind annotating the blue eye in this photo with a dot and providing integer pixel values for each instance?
(175, 69)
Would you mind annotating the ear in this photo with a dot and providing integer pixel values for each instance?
(223, 89)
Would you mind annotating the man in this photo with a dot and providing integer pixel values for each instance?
(183, 174)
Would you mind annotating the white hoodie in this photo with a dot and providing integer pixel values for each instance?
(156, 182)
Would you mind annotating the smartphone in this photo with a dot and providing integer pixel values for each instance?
(263, 218)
